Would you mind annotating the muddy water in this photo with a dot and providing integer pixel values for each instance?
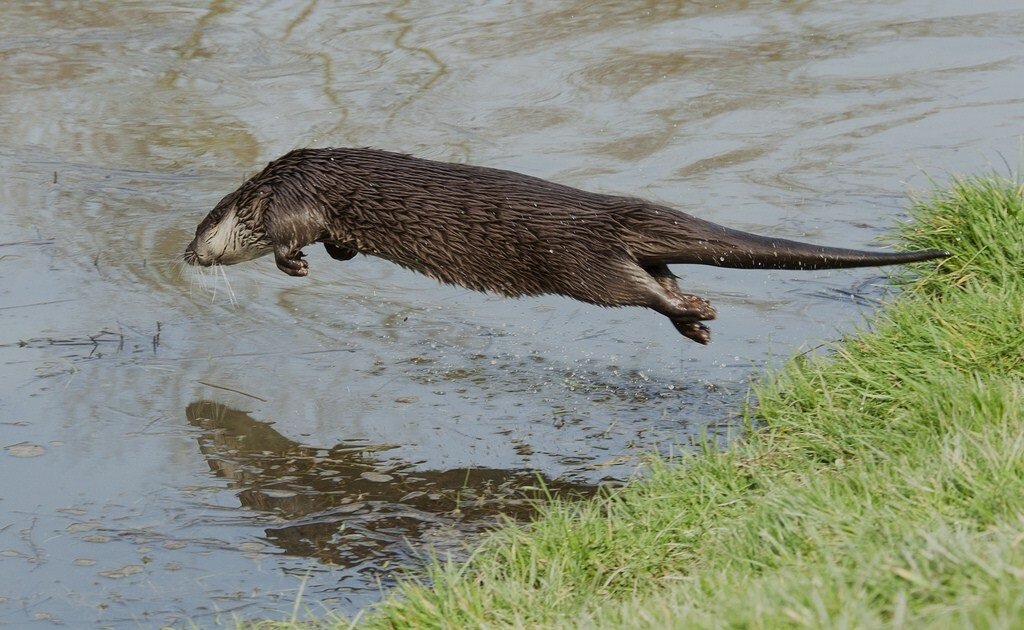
(181, 447)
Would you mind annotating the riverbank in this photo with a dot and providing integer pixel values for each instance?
(883, 484)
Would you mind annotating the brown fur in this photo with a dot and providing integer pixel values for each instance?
(492, 230)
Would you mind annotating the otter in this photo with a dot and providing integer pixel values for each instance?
(493, 230)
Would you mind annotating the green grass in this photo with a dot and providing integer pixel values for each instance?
(884, 485)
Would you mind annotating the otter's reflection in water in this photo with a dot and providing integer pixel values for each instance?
(349, 505)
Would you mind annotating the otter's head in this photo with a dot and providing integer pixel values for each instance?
(234, 231)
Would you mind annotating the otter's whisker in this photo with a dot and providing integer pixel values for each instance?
(178, 267)
(196, 276)
(231, 292)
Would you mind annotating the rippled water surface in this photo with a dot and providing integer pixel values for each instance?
(181, 447)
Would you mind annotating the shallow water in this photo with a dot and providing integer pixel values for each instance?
(177, 449)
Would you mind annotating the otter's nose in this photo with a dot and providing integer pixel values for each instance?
(192, 258)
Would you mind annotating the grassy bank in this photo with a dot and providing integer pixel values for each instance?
(883, 486)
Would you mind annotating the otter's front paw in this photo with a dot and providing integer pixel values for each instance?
(292, 263)
(694, 330)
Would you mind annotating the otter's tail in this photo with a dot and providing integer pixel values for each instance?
(712, 244)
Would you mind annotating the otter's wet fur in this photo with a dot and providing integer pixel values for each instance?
(492, 230)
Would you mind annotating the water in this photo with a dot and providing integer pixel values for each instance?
(174, 450)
